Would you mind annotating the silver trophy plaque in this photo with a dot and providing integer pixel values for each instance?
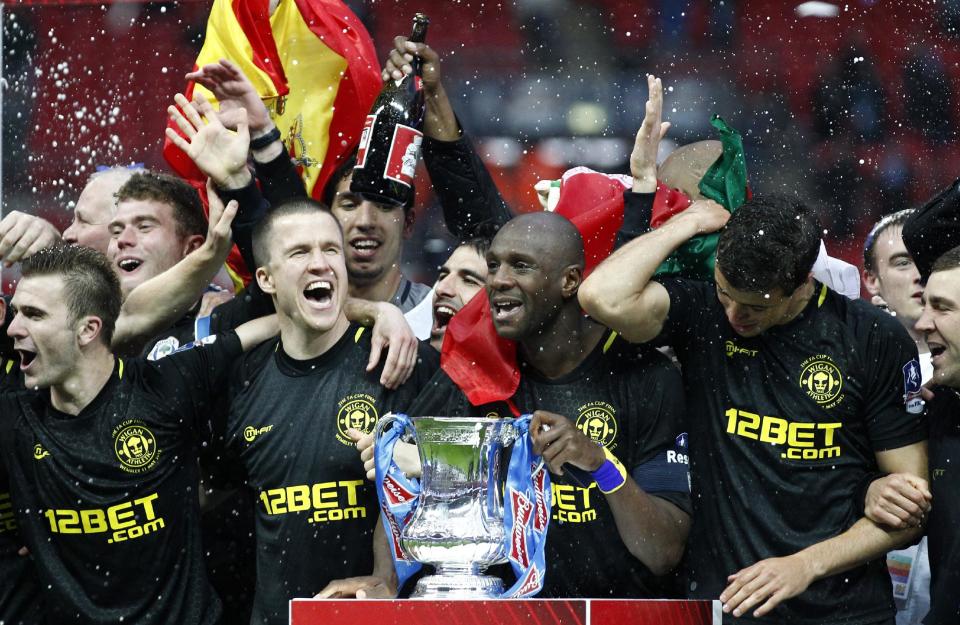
(457, 525)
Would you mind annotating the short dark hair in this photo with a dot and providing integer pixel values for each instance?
(294, 206)
(480, 244)
(91, 287)
(187, 209)
(893, 219)
(770, 242)
(947, 261)
(343, 171)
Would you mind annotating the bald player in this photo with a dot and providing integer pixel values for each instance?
(684, 167)
(95, 207)
(599, 405)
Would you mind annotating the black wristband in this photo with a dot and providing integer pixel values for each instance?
(263, 141)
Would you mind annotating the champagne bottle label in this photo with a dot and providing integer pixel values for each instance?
(404, 152)
(365, 137)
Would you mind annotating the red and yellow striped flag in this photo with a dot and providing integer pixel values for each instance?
(313, 64)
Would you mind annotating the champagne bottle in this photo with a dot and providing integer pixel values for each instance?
(392, 133)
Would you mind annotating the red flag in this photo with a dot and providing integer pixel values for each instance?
(667, 203)
(484, 365)
(594, 203)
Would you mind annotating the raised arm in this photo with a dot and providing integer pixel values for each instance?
(620, 292)
(179, 287)
(239, 102)
(217, 151)
(236, 93)
(439, 122)
(221, 154)
(470, 200)
(22, 235)
(771, 581)
(646, 145)
(638, 202)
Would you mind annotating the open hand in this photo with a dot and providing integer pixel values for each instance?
(391, 331)
(218, 152)
(643, 159)
(239, 100)
(766, 583)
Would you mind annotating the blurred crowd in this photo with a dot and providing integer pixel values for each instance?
(852, 112)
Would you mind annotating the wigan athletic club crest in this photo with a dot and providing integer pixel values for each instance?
(597, 421)
(822, 380)
(135, 446)
(357, 411)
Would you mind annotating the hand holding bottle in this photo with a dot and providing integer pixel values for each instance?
(392, 133)
(439, 120)
(399, 63)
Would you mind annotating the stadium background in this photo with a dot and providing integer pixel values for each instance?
(853, 113)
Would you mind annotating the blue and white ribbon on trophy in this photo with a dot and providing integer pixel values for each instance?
(526, 513)
(526, 507)
(397, 494)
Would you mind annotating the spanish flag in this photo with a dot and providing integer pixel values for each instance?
(314, 65)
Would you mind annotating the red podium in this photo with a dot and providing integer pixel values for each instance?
(503, 611)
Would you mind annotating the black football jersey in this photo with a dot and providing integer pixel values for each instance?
(783, 426)
(944, 540)
(19, 592)
(288, 422)
(107, 499)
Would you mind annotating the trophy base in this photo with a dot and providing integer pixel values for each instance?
(458, 587)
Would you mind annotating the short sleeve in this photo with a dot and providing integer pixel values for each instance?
(691, 306)
(472, 205)
(894, 411)
(658, 461)
(195, 378)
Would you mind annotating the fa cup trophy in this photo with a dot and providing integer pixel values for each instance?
(471, 509)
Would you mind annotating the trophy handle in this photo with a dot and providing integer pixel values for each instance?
(382, 424)
(539, 467)
(378, 431)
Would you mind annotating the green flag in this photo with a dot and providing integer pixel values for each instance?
(725, 183)
(726, 180)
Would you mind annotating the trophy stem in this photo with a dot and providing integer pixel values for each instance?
(458, 582)
(446, 569)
